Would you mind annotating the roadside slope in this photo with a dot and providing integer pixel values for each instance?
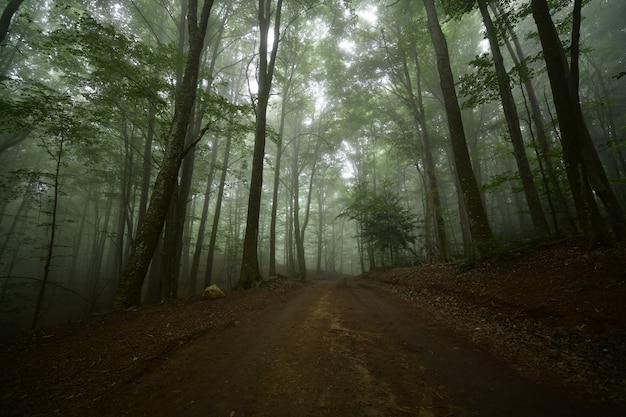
(555, 315)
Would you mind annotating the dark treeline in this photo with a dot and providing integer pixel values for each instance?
(148, 150)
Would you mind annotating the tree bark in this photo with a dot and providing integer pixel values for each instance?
(51, 241)
(597, 174)
(512, 120)
(295, 185)
(279, 154)
(434, 195)
(572, 138)
(5, 20)
(129, 290)
(195, 265)
(216, 216)
(321, 215)
(552, 184)
(613, 138)
(250, 273)
(479, 225)
(147, 164)
(175, 222)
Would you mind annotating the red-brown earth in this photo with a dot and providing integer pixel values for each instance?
(539, 333)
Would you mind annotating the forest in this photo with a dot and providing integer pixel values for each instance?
(149, 149)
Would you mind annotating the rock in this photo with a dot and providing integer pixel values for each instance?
(213, 291)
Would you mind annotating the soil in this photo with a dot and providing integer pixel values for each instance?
(539, 333)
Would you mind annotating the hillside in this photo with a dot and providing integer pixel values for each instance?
(555, 314)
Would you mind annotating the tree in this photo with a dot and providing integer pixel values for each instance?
(479, 224)
(513, 125)
(597, 175)
(571, 126)
(5, 19)
(414, 98)
(250, 273)
(238, 116)
(131, 281)
(553, 188)
(288, 79)
(382, 221)
(64, 126)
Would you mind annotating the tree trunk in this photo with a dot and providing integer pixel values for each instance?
(477, 217)
(572, 138)
(7, 15)
(216, 216)
(124, 203)
(169, 254)
(295, 185)
(552, 185)
(129, 290)
(434, 196)
(597, 174)
(101, 233)
(147, 165)
(289, 246)
(321, 218)
(77, 255)
(613, 138)
(51, 241)
(512, 120)
(279, 154)
(250, 273)
(195, 265)
(175, 222)
(307, 210)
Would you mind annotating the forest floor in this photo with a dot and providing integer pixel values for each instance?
(538, 334)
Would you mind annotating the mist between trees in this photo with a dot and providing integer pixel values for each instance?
(149, 149)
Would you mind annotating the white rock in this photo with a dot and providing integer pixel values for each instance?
(213, 291)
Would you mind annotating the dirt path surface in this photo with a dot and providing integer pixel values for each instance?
(333, 347)
(540, 333)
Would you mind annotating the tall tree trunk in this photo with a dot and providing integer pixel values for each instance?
(553, 187)
(51, 242)
(279, 155)
(613, 138)
(216, 216)
(307, 210)
(129, 290)
(124, 202)
(289, 246)
(321, 214)
(250, 273)
(295, 186)
(146, 172)
(190, 272)
(100, 238)
(572, 138)
(175, 222)
(7, 15)
(595, 170)
(434, 195)
(77, 256)
(512, 120)
(478, 222)
(195, 265)
(169, 254)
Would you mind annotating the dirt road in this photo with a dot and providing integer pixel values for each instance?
(336, 348)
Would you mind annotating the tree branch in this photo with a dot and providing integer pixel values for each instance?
(197, 139)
